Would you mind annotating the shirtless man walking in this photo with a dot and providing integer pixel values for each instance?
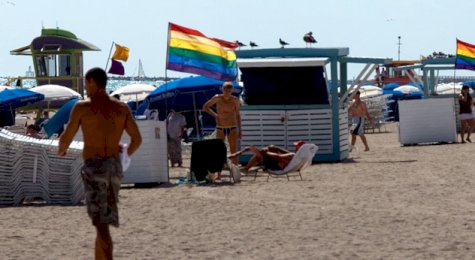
(359, 113)
(228, 117)
(102, 120)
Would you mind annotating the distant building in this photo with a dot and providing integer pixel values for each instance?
(29, 72)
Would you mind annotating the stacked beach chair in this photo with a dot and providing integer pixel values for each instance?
(376, 109)
(31, 168)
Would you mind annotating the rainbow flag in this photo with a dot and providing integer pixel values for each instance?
(465, 56)
(191, 51)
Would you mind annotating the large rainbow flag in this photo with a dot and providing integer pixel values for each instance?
(191, 51)
(465, 56)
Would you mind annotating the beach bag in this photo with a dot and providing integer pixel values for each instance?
(234, 171)
(207, 156)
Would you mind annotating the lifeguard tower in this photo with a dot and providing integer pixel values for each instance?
(291, 97)
(57, 58)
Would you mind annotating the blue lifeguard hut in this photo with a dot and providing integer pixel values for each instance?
(57, 58)
(291, 95)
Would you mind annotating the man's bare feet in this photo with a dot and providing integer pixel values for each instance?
(366, 149)
(468, 140)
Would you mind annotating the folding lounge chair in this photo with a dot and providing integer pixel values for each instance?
(301, 160)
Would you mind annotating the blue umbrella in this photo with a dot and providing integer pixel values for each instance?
(471, 84)
(56, 123)
(186, 94)
(18, 97)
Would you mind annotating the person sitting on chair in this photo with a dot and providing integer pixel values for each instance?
(32, 131)
(271, 157)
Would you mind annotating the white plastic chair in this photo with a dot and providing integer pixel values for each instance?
(301, 160)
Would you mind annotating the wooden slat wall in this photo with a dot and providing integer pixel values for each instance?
(283, 127)
(263, 127)
(312, 126)
(344, 134)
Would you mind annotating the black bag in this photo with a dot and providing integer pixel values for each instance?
(207, 155)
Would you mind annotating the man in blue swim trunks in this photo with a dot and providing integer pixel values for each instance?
(359, 113)
(102, 119)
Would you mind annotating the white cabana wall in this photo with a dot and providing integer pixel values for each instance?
(149, 163)
(427, 121)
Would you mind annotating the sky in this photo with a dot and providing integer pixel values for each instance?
(369, 28)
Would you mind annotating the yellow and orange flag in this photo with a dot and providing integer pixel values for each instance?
(121, 53)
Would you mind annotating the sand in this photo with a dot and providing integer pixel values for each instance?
(393, 202)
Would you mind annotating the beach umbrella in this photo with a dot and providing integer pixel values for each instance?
(187, 94)
(407, 89)
(55, 95)
(134, 92)
(388, 88)
(449, 88)
(369, 91)
(11, 98)
(471, 84)
(61, 117)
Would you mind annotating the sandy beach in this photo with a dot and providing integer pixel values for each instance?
(393, 202)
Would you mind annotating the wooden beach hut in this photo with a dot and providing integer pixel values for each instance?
(291, 95)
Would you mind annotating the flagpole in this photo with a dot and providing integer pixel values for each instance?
(166, 70)
(110, 52)
(455, 68)
(455, 95)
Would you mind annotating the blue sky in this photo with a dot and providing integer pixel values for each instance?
(368, 27)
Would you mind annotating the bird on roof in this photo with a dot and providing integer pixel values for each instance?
(308, 39)
(240, 44)
(282, 43)
(253, 44)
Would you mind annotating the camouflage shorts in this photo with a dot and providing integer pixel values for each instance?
(102, 178)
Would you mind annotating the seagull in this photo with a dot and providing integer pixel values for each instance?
(253, 44)
(308, 39)
(240, 44)
(282, 43)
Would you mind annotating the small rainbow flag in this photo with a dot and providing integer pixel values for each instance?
(191, 51)
(465, 56)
